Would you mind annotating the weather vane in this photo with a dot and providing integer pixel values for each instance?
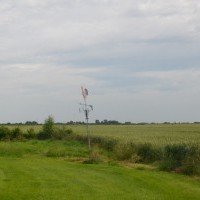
(85, 108)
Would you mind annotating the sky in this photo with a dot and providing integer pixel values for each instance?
(139, 60)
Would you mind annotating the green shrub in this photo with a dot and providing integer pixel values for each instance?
(148, 153)
(47, 129)
(17, 133)
(181, 158)
(191, 163)
(43, 136)
(94, 156)
(31, 134)
(5, 133)
(126, 151)
(61, 133)
(104, 142)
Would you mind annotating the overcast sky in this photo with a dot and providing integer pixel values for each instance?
(139, 59)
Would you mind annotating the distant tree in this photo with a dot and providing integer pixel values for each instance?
(47, 128)
(97, 121)
(31, 123)
(70, 122)
(105, 121)
(127, 123)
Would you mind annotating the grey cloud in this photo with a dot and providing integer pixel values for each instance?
(49, 48)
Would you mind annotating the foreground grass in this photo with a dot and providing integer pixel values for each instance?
(51, 178)
(36, 170)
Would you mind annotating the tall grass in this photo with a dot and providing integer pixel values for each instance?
(180, 157)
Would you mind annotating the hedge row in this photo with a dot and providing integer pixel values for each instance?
(183, 158)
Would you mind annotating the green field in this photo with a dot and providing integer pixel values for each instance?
(28, 171)
(56, 169)
(157, 134)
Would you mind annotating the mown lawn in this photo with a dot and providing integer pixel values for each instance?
(33, 174)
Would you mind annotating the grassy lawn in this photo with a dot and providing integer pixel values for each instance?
(50, 178)
(27, 171)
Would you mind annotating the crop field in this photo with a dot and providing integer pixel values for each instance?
(58, 169)
(157, 134)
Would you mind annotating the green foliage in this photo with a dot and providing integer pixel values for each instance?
(5, 133)
(47, 129)
(94, 156)
(126, 151)
(31, 134)
(61, 133)
(191, 163)
(148, 152)
(17, 133)
(181, 158)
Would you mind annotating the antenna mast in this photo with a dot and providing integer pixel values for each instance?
(85, 108)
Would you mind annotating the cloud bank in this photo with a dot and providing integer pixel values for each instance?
(138, 58)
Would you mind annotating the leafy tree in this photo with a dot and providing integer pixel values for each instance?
(47, 129)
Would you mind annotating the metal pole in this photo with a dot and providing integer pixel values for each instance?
(87, 126)
(88, 136)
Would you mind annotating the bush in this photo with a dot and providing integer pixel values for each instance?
(104, 142)
(17, 133)
(47, 129)
(181, 158)
(31, 134)
(148, 153)
(5, 133)
(126, 151)
(94, 156)
(61, 133)
(43, 136)
(191, 163)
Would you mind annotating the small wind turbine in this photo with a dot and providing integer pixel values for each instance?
(85, 108)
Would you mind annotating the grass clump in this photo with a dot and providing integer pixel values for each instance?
(61, 133)
(5, 133)
(13, 134)
(148, 153)
(10, 150)
(17, 134)
(181, 158)
(126, 151)
(30, 134)
(56, 152)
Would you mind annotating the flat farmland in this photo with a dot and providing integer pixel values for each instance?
(55, 169)
(159, 134)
